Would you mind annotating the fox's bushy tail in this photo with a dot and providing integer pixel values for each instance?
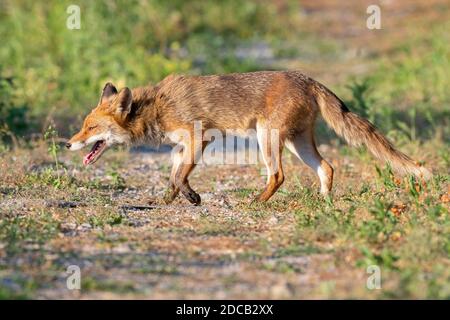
(358, 131)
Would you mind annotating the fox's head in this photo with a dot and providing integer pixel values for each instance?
(105, 126)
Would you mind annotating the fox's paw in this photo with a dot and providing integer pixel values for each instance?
(263, 197)
(193, 197)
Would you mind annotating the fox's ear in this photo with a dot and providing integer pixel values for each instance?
(122, 102)
(108, 91)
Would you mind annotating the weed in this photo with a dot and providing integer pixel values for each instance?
(386, 176)
(118, 182)
(50, 135)
(382, 224)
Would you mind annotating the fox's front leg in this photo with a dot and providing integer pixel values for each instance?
(172, 190)
(188, 159)
(182, 183)
(178, 181)
(191, 155)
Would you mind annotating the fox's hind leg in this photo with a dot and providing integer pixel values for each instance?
(271, 147)
(304, 147)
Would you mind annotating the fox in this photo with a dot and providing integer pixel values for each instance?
(286, 101)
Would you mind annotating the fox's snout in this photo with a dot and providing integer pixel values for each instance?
(76, 142)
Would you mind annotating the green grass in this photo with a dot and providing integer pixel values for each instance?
(91, 284)
(19, 232)
(412, 242)
(17, 289)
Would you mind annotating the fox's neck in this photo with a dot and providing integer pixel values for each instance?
(144, 125)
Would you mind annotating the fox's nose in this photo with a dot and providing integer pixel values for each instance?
(68, 145)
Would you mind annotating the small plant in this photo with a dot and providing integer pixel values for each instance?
(383, 222)
(110, 218)
(115, 219)
(386, 176)
(384, 258)
(50, 136)
(414, 187)
(118, 181)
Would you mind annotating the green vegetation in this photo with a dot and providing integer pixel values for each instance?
(409, 92)
(16, 232)
(51, 73)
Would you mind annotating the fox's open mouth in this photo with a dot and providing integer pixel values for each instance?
(95, 152)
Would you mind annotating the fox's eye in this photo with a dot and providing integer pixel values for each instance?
(91, 128)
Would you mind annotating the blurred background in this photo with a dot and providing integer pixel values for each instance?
(398, 76)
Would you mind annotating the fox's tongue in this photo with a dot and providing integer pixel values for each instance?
(91, 155)
(87, 158)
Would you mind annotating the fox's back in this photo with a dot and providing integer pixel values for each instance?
(236, 100)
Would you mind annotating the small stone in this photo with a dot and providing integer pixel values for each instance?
(273, 220)
(67, 226)
(280, 291)
(84, 227)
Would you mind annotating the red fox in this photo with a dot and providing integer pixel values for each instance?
(285, 101)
